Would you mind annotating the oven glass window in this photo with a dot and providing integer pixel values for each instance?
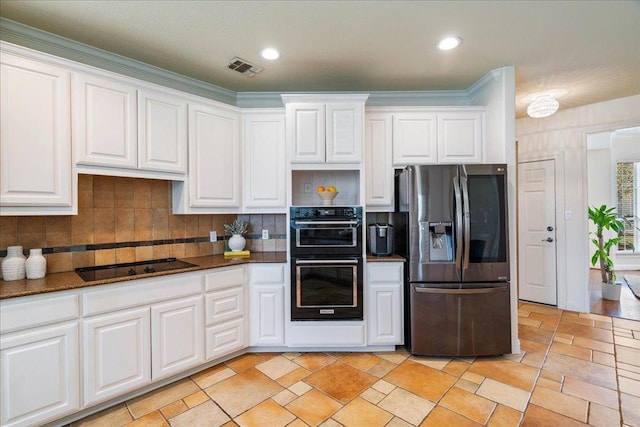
(321, 286)
(326, 236)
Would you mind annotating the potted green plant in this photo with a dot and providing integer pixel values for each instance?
(604, 218)
(236, 229)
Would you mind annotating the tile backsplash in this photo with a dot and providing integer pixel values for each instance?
(127, 220)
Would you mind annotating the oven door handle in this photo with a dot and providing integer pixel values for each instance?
(327, 261)
(326, 222)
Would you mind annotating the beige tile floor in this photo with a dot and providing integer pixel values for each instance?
(574, 369)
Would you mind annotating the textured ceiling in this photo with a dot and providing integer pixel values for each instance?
(589, 48)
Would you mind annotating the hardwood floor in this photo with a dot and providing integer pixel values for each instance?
(628, 307)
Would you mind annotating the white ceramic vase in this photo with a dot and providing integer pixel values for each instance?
(13, 266)
(236, 243)
(36, 264)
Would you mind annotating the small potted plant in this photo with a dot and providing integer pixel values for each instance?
(604, 218)
(236, 229)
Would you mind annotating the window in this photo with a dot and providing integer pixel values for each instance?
(628, 205)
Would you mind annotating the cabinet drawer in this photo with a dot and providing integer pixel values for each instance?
(224, 305)
(28, 312)
(141, 292)
(224, 278)
(267, 274)
(225, 338)
(384, 272)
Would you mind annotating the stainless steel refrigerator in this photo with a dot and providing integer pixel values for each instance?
(451, 224)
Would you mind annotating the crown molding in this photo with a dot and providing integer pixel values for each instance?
(23, 35)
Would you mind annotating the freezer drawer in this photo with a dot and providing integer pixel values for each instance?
(460, 320)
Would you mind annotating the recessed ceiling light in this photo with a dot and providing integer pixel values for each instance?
(270, 53)
(449, 43)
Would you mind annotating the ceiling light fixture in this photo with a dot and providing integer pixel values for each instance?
(449, 43)
(270, 53)
(544, 105)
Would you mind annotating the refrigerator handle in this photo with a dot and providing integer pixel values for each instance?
(466, 221)
(458, 196)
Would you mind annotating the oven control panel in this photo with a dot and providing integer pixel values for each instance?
(315, 212)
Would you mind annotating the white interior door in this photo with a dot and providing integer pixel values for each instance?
(537, 232)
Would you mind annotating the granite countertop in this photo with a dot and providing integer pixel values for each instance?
(70, 280)
(385, 258)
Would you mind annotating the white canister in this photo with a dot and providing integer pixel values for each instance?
(36, 264)
(13, 266)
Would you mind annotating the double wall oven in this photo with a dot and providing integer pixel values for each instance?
(326, 263)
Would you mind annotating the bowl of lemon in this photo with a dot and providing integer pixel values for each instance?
(327, 194)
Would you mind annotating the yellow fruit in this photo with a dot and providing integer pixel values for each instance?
(331, 189)
(320, 189)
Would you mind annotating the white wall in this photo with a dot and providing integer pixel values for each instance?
(562, 136)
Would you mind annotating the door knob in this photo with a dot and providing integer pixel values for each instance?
(549, 228)
(548, 239)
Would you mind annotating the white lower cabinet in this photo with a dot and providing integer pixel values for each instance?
(135, 334)
(385, 315)
(39, 375)
(116, 354)
(266, 302)
(225, 312)
(177, 336)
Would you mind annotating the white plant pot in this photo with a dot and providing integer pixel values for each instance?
(236, 243)
(611, 291)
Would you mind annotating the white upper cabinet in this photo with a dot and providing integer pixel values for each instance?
(378, 162)
(344, 132)
(460, 137)
(105, 122)
(118, 124)
(306, 124)
(36, 171)
(264, 166)
(414, 138)
(325, 129)
(438, 136)
(213, 185)
(162, 131)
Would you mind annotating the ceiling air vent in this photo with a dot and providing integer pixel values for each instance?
(244, 67)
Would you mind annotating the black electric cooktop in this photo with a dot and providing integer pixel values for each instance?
(113, 271)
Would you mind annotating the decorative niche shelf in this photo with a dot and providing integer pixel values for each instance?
(305, 182)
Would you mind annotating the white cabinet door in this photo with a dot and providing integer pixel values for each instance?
(39, 375)
(378, 162)
(35, 137)
(306, 132)
(214, 157)
(225, 338)
(385, 303)
(414, 138)
(266, 304)
(116, 353)
(264, 165)
(105, 122)
(162, 141)
(344, 132)
(460, 137)
(177, 336)
(267, 315)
